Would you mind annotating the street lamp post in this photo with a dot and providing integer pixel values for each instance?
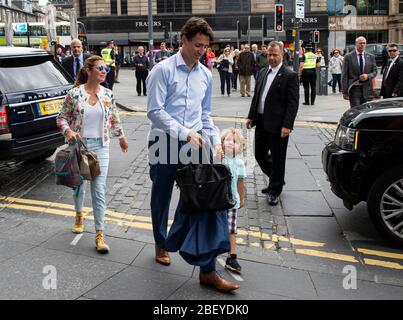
(150, 33)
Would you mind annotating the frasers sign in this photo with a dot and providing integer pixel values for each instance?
(144, 24)
(305, 20)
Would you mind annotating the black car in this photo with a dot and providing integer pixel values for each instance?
(32, 87)
(365, 163)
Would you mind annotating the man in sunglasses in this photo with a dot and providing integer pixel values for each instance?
(74, 63)
(392, 81)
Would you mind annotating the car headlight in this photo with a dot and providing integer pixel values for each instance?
(346, 138)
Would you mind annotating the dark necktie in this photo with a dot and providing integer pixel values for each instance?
(77, 66)
(361, 64)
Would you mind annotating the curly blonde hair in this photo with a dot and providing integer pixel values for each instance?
(238, 137)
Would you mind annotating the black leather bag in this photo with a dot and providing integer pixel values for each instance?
(205, 188)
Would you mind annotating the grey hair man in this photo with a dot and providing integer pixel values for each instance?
(358, 71)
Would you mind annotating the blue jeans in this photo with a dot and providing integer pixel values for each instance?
(98, 185)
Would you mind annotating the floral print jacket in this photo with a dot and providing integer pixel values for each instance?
(71, 114)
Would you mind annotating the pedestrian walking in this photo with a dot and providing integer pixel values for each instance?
(246, 65)
(273, 110)
(232, 143)
(162, 54)
(320, 62)
(392, 80)
(358, 71)
(108, 54)
(72, 64)
(255, 53)
(142, 65)
(235, 70)
(118, 62)
(307, 72)
(89, 113)
(261, 59)
(179, 107)
(225, 70)
(335, 68)
(210, 58)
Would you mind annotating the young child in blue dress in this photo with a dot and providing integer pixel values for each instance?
(232, 145)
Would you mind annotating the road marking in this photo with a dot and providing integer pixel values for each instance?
(385, 264)
(241, 120)
(381, 253)
(329, 255)
(76, 239)
(236, 276)
(52, 209)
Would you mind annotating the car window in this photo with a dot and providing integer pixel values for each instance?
(30, 73)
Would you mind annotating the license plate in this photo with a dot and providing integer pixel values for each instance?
(49, 107)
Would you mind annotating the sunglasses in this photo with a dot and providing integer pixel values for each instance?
(101, 68)
(392, 50)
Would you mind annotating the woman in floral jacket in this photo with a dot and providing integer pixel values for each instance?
(89, 113)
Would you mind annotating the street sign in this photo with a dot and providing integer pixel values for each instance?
(300, 9)
(20, 27)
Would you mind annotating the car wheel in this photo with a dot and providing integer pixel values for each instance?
(385, 204)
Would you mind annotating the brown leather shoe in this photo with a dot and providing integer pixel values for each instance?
(213, 279)
(162, 256)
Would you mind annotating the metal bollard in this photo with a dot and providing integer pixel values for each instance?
(322, 80)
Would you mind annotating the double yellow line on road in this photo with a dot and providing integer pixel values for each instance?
(143, 222)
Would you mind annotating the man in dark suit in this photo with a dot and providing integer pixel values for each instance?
(74, 63)
(392, 81)
(359, 69)
(273, 110)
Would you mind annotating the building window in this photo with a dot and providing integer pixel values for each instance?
(83, 8)
(370, 7)
(174, 6)
(114, 7)
(401, 6)
(123, 7)
(233, 6)
(381, 36)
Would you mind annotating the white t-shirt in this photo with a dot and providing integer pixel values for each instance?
(92, 120)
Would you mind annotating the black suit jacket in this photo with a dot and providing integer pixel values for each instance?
(281, 103)
(68, 64)
(394, 82)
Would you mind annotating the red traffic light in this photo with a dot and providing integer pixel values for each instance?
(279, 8)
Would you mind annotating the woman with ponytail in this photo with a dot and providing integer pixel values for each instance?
(89, 113)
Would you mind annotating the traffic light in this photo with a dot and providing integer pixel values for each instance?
(316, 36)
(265, 27)
(238, 26)
(310, 37)
(175, 42)
(279, 17)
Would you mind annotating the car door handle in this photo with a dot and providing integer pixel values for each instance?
(21, 112)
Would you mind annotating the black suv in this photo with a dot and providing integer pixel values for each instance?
(365, 163)
(32, 87)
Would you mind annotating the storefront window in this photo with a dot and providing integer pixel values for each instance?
(174, 6)
(371, 36)
(369, 7)
(233, 6)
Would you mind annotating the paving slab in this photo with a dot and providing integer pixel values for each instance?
(122, 250)
(136, 283)
(310, 149)
(305, 203)
(23, 276)
(146, 259)
(193, 290)
(330, 287)
(318, 229)
(277, 280)
(10, 249)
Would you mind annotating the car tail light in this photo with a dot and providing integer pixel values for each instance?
(4, 127)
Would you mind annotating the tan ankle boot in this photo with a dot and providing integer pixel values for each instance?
(101, 246)
(79, 224)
